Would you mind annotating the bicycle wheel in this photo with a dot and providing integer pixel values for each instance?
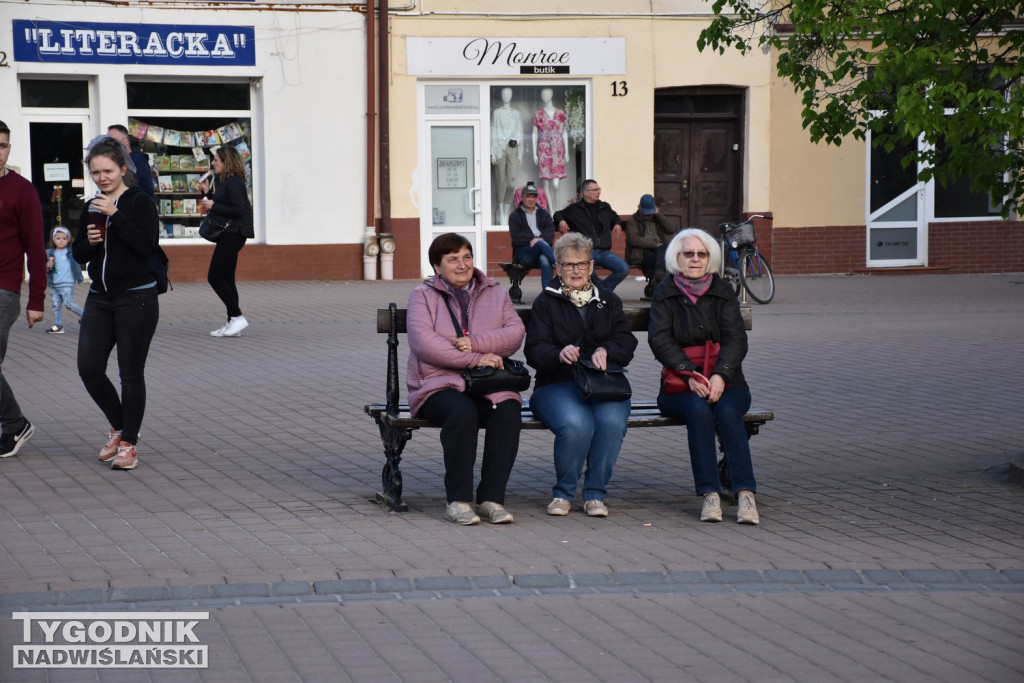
(756, 276)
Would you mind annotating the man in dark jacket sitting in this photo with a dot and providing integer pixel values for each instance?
(597, 220)
(647, 233)
(533, 232)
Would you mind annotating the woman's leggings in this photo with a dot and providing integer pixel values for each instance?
(126, 320)
(221, 275)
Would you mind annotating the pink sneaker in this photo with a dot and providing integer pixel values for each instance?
(109, 449)
(126, 458)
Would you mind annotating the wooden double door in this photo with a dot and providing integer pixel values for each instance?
(698, 158)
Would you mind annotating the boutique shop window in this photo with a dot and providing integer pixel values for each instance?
(537, 133)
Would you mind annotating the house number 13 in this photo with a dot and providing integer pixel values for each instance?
(619, 89)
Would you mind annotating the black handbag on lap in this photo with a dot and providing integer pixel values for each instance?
(601, 385)
(515, 376)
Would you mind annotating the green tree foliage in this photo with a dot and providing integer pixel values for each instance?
(946, 71)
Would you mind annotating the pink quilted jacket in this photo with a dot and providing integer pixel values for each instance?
(434, 363)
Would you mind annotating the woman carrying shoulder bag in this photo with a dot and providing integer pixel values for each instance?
(230, 201)
(488, 329)
(695, 315)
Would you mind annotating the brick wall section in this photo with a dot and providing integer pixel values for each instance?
(824, 249)
(962, 247)
(189, 263)
(977, 246)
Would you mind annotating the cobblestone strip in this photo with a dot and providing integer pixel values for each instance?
(449, 587)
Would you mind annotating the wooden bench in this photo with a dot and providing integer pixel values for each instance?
(396, 423)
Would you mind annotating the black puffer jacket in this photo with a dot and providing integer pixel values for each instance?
(677, 322)
(122, 260)
(555, 323)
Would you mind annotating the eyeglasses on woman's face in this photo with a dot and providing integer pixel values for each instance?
(576, 267)
(689, 254)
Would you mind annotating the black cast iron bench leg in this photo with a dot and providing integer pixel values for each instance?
(394, 439)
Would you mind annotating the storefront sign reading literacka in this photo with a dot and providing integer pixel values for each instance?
(101, 43)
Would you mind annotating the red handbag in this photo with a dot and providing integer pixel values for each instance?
(705, 357)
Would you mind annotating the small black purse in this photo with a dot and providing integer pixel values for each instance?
(213, 227)
(514, 376)
(601, 385)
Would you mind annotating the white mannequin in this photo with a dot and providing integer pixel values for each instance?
(550, 113)
(506, 126)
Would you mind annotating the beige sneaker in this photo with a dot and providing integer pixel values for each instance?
(595, 508)
(495, 513)
(747, 513)
(109, 449)
(126, 458)
(712, 510)
(559, 507)
(461, 513)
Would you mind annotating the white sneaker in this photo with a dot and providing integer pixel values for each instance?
(747, 513)
(461, 513)
(712, 509)
(220, 332)
(235, 326)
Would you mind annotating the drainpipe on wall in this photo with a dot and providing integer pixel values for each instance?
(370, 245)
(386, 238)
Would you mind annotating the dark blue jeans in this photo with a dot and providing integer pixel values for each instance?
(702, 419)
(126, 320)
(539, 255)
(609, 260)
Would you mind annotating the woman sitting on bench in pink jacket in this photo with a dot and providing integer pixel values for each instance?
(488, 330)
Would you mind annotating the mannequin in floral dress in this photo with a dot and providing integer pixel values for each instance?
(550, 140)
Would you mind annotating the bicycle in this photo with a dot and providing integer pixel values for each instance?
(742, 264)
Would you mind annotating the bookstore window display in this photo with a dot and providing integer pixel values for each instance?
(537, 133)
(180, 150)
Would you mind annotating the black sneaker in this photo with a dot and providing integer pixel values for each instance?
(55, 329)
(10, 444)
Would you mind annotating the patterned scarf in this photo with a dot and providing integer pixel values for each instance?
(692, 288)
(579, 297)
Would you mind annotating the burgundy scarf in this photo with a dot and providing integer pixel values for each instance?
(692, 288)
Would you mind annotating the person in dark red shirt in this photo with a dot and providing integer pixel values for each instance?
(21, 235)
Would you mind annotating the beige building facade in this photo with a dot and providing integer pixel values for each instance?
(713, 137)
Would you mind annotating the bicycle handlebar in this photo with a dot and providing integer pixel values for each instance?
(726, 227)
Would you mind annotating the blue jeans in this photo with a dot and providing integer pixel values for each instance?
(610, 261)
(539, 255)
(702, 419)
(63, 294)
(586, 432)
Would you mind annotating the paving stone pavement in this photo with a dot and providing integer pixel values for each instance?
(890, 547)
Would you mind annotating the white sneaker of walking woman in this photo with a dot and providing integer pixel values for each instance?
(233, 328)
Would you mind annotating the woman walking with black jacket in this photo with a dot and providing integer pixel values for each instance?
(230, 201)
(117, 235)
